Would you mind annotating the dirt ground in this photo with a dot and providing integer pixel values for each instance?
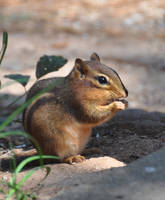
(129, 37)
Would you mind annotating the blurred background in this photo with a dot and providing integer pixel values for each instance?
(128, 35)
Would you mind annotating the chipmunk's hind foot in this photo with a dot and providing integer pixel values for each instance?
(74, 159)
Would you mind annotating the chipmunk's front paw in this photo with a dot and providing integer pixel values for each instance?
(119, 105)
(74, 159)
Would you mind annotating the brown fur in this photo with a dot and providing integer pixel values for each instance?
(61, 119)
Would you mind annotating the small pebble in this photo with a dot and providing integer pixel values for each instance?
(150, 169)
(5, 178)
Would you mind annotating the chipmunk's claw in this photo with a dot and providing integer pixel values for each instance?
(74, 159)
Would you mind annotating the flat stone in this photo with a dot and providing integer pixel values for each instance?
(141, 180)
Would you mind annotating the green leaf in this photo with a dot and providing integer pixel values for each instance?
(30, 159)
(4, 46)
(48, 64)
(23, 80)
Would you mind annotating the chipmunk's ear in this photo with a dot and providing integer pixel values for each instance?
(95, 57)
(80, 68)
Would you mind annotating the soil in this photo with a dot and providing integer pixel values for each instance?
(128, 37)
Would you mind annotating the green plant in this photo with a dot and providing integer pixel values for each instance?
(13, 187)
(4, 47)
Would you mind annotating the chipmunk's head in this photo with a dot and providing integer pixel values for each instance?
(97, 82)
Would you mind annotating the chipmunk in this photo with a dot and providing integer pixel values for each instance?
(61, 119)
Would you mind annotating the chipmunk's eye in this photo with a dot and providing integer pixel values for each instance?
(102, 80)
